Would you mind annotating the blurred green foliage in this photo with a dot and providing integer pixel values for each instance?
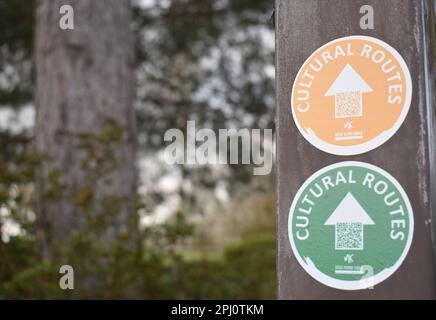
(153, 265)
(244, 270)
(173, 41)
(16, 43)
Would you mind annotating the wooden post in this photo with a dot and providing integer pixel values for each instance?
(301, 28)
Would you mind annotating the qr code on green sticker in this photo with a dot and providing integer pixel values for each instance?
(349, 236)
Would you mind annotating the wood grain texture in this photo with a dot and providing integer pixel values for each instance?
(429, 17)
(84, 80)
(301, 28)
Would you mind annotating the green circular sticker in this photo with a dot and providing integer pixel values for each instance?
(351, 225)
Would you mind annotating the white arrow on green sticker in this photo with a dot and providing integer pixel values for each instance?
(350, 225)
(349, 218)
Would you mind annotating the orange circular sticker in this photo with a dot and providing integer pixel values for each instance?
(351, 95)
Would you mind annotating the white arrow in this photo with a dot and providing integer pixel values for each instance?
(348, 89)
(349, 215)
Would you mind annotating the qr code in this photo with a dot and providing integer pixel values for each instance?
(349, 236)
(348, 105)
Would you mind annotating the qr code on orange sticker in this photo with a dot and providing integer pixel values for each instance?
(348, 104)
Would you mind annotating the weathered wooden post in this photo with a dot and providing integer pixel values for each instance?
(356, 161)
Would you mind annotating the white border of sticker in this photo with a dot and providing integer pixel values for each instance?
(355, 284)
(382, 137)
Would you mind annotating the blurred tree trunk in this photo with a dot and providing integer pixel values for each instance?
(85, 125)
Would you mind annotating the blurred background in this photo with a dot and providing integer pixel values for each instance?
(200, 232)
